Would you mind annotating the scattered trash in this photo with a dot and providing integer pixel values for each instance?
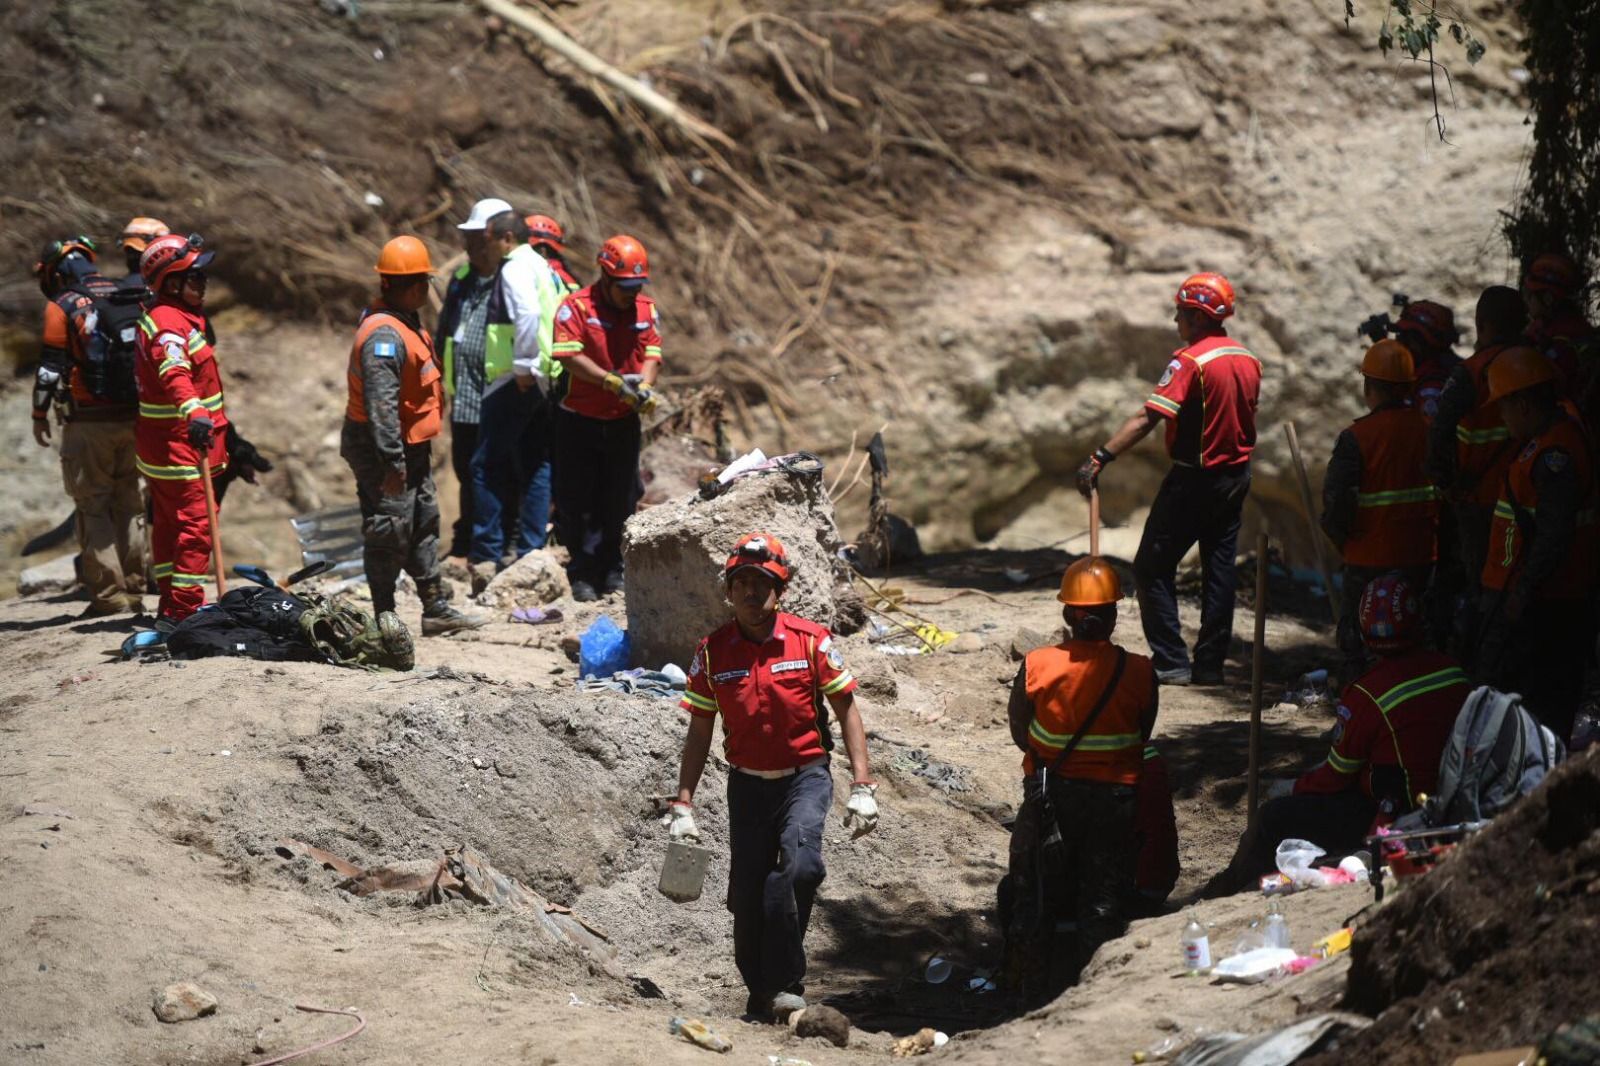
(1277, 927)
(674, 673)
(1333, 943)
(1196, 945)
(182, 1002)
(603, 649)
(1354, 867)
(321, 1045)
(1294, 859)
(981, 984)
(919, 1043)
(1253, 938)
(937, 971)
(1252, 966)
(698, 1032)
(1281, 1046)
(1311, 690)
(774, 1060)
(537, 616)
(573, 1000)
(657, 683)
(943, 776)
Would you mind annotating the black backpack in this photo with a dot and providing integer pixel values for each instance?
(254, 623)
(111, 330)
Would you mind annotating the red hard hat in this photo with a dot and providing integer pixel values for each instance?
(622, 257)
(172, 254)
(1553, 272)
(1435, 322)
(542, 229)
(1208, 292)
(762, 551)
(1390, 615)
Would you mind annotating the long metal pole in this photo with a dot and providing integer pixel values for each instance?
(1257, 656)
(1311, 522)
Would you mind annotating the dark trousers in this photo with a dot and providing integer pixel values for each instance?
(1472, 523)
(1083, 878)
(510, 456)
(463, 442)
(398, 532)
(596, 474)
(775, 866)
(1542, 656)
(1192, 505)
(1335, 822)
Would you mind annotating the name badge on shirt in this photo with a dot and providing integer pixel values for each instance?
(789, 666)
(729, 675)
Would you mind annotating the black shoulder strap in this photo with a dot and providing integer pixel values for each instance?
(1105, 698)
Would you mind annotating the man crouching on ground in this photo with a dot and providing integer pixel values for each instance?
(766, 673)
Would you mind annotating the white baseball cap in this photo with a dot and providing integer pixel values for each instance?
(482, 212)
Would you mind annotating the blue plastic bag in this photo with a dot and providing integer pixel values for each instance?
(603, 649)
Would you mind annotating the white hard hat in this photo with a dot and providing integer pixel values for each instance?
(482, 212)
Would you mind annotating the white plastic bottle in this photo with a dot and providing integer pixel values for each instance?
(1277, 927)
(1196, 946)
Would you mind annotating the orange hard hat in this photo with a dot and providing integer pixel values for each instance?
(1519, 368)
(51, 256)
(762, 551)
(623, 257)
(1434, 321)
(172, 254)
(542, 229)
(139, 232)
(1552, 272)
(1090, 582)
(404, 255)
(1207, 292)
(1389, 360)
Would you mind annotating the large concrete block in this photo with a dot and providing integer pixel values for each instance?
(673, 556)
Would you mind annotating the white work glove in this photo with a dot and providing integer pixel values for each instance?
(680, 822)
(861, 812)
(1280, 787)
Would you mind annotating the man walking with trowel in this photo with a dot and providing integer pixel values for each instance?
(767, 673)
(1207, 396)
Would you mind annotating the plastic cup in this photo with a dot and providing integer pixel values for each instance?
(938, 971)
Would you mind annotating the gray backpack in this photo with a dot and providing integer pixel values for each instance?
(1497, 753)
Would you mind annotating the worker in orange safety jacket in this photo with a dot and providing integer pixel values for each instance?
(1378, 505)
(1540, 571)
(182, 419)
(1552, 288)
(1081, 711)
(392, 414)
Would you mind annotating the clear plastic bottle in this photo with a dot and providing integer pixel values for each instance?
(1277, 929)
(1196, 946)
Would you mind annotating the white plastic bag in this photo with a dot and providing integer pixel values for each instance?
(1294, 859)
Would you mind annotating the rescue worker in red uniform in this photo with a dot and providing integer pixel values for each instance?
(1392, 726)
(608, 338)
(546, 237)
(97, 439)
(182, 419)
(1539, 574)
(1207, 397)
(1469, 448)
(393, 412)
(1081, 711)
(1378, 505)
(1551, 288)
(771, 677)
(1428, 330)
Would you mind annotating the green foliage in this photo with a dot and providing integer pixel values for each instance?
(1414, 28)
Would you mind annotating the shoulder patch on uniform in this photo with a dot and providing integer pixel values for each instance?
(385, 349)
(1340, 722)
(565, 314)
(694, 664)
(835, 658)
(1166, 375)
(1555, 460)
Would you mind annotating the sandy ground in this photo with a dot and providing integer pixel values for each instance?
(180, 778)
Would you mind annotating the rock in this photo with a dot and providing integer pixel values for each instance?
(1024, 641)
(673, 556)
(57, 575)
(532, 581)
(825, 1022)
(965, 644)
(184, 1002)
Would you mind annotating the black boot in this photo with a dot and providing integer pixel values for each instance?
(438, 617)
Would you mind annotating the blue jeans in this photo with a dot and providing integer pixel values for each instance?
(775, 866)
(511, 450)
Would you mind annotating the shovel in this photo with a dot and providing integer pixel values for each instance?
(1094, 521)
(683, 874)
